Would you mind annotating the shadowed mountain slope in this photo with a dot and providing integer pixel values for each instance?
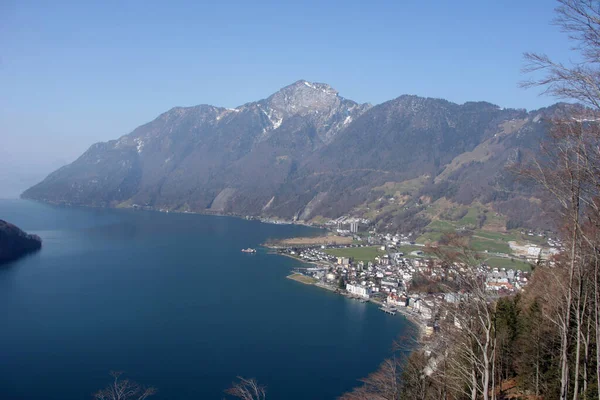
(304, 152)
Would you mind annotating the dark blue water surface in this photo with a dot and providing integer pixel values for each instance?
(171, 300)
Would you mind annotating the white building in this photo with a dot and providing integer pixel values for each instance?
(533, 251)
(426, 312)
(343, 260)
(415, 303)
(358, 290)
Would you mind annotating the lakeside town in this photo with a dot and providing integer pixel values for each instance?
(402, 276)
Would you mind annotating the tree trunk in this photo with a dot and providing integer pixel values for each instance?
(494, 369)
(564, 378)
(578, 317)
(597, 320)
(474, 383)
(537, 372)
(586, 356)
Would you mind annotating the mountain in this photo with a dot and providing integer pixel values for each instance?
(307, 153)
(14, 243)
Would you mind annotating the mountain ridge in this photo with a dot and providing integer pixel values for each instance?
(304, 152)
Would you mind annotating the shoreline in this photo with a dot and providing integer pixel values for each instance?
(418, 324)
(411, 318)
(167, 211)
(292, 257)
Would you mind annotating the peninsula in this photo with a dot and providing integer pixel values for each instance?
(14, 243)
(402, 274)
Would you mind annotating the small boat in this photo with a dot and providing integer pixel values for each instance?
(248, 250)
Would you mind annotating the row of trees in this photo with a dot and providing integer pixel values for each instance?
(569, 169)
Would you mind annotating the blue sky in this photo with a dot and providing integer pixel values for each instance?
(76, 72)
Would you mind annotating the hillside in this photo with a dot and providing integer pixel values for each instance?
(306, 153)
(14, 243)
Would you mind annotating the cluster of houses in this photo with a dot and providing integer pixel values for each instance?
(505, 280)
(388, 279)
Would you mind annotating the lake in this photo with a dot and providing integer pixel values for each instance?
(171, 300)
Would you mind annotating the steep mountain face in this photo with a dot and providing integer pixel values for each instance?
(393, 142)
(201, 157)
(303, 152)
(14, 243)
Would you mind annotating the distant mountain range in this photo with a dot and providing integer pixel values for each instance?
(306, 153)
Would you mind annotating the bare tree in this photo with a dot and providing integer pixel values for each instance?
(124, 389)
(247, 389)
(383, 384)
(469, 338)
(574, 180)
(560, 172)
(470, 346)
(416, 380)
(580, 19)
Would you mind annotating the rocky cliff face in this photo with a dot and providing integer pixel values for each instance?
(303, 152)
(14, 243)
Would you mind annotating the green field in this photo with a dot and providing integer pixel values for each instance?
(471, 218)
(441, 226)
(406, 249)
(498, 236)
(358, 253)
(493, 246)
(429, 237)
(398, 188)
(481, 240)
(508, 263)
(533, 239)
(369, 253)
(435, 230)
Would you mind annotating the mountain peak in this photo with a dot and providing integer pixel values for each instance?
(303, 85)
(303, 97)
(306, 152)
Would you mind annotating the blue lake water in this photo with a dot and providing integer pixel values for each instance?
(171, 300)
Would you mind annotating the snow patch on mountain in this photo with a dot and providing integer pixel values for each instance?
(139, 144)
(273, 118)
